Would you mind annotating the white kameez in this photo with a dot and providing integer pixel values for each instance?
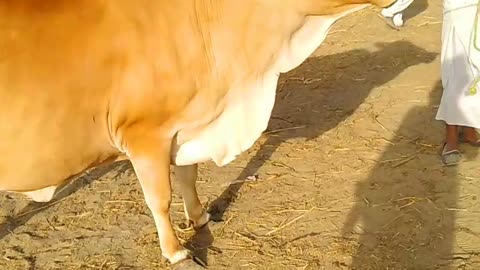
(460, 64)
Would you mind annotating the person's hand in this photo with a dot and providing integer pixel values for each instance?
(395, 11)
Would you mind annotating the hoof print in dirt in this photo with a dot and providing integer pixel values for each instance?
(187, 264)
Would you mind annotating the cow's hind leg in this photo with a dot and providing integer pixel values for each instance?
(194, 213)
(150, 158)
(41, 195)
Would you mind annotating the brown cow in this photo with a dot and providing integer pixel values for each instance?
(159, 82)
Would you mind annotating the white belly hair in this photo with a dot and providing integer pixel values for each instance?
(249, 104)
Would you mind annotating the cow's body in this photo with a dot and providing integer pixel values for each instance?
(180, 82)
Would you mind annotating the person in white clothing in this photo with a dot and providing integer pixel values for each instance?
(460, 62)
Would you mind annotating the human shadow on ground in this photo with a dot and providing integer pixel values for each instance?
(320, 94)
(404, 212)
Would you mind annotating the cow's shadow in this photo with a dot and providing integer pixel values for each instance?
(324, 81)
(416, 8)
(66, 189)
(332, 78)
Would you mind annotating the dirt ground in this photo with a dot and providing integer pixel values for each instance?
(347, 177)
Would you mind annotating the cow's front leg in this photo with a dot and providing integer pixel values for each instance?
(151, 160)
(194, 213)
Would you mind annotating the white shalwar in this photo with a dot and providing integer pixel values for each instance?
(460, 64)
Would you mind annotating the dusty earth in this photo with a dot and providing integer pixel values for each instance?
(347, 177)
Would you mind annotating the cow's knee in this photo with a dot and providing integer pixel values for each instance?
(41, 195)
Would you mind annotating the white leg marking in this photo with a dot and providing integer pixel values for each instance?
(180, 255)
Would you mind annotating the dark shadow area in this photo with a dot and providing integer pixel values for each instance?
(417, 7)
(63, 191)
(201, 243)
(320, 94)
(404, 214)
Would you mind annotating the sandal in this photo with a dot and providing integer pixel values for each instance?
(450, 157)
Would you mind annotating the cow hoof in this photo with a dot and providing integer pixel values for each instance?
(202, 222)
(187, 264)
(185, 226)
(191, 225)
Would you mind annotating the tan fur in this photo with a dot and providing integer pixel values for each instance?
(85, 82)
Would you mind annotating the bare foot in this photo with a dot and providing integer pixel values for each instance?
(452, 138)
(451, 156)
(470, 136)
